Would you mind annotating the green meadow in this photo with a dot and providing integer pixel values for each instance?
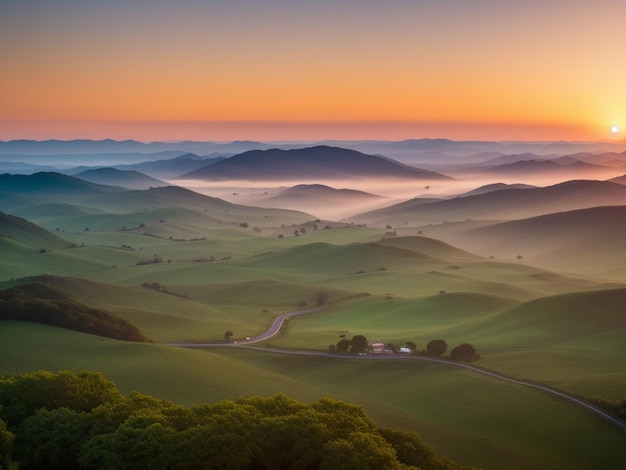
(222, 267)
(475, 420)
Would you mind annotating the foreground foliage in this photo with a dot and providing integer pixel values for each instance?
(68, 420)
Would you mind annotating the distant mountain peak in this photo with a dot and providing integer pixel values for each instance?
(307, 164)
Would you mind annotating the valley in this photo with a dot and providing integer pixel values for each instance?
(415, 241)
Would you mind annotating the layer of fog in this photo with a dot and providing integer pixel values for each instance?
(257, 193)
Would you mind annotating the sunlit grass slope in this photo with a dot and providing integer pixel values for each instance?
(554, 319)
(432, 247)
(346, 259)
(473, 419)
(573, 341)
(194, 312)
(17, 228)
(19, 260)
(392, 320)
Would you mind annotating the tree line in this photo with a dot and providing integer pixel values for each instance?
(359, 344)
(43, 303)
(70, 420)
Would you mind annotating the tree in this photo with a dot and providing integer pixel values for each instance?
(228, 334)
(359, 344)
(51, 438)
(465, 352)
(436, 347)
(412, 451)
(22, 395)
(343, 345)
(411, 345)
(519, 258)
(140, 431)
(6, 448)
(359, 451)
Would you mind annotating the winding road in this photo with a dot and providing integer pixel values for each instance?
(280, 320)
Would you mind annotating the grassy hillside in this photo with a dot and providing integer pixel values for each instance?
(430, 246)
(17, 228)
(110, 210)
(587, 241)
(347, 259)
(504, 204)
(555, 319)
(447, 406)
(572, 341)
(222, 266)
(41, 301)
(195, 312)
(392, 320)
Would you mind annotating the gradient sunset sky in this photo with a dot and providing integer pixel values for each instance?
(313, 69)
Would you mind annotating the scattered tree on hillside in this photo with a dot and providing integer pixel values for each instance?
(343, 345)
(436, 347)
(519, 258)
(465, 352)
(227, 335)
(411, 345)
(322, 298)
(359, 344)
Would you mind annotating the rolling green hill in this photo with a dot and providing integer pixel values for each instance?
(586, 241)
(42, 302)
(430, 246)
(554, 319)
(445, 405)
(223, 266)
(22, 230)
(345, 259)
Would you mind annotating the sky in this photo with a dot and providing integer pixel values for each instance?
(287, 70)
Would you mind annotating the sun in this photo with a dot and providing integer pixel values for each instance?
(614, 129)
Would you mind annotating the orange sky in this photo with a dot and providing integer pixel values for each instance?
(307, 70)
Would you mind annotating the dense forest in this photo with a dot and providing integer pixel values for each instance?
(44, 303)
(80, 420)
